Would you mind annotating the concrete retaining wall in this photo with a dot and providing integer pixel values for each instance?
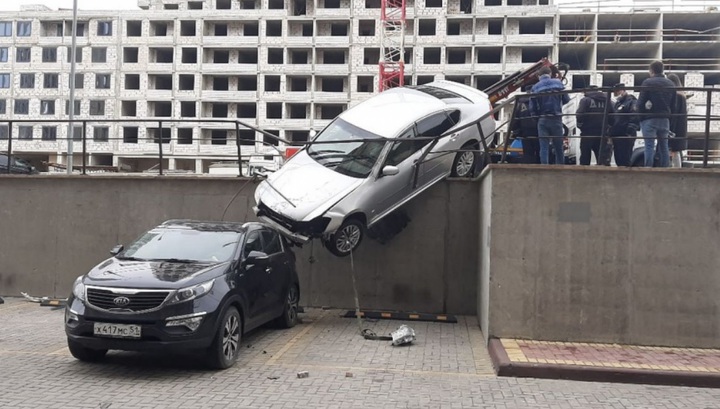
(601, 254)
(54, 228)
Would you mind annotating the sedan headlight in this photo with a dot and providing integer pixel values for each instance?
(191, 293)
(79, 289)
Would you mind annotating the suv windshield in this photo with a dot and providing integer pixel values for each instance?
(352, 158)
(183, 245)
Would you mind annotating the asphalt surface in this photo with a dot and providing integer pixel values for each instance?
(447, 367)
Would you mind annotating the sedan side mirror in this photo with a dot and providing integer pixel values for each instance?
(256, 257)
(390, 170)
(117, 249)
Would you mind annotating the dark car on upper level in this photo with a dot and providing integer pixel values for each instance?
(19, 166)
(185, 285)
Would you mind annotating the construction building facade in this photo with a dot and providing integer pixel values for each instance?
(291, 66)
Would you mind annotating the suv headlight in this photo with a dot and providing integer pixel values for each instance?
(79, 289)
(191, 293)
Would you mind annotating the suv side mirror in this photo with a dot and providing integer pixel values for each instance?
(390, 170)
(117, 249)
(255, 257)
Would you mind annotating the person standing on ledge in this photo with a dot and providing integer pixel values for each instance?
(548, 110)
(655, 108)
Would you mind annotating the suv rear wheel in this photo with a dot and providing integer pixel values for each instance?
(85, 354)
(225, 348)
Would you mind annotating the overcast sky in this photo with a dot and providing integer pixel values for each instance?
(82, 4)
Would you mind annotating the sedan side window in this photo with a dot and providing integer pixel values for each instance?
(434, 125)
(253, 243)
(272, 242)
(401, 150)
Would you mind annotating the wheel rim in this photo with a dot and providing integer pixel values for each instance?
(348, 238)
(292, 301)
(231, 337)
(465, 163)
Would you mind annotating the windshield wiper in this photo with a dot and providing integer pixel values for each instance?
(176, 260)
(125, 258)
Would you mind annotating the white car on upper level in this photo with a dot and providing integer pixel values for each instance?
(372, 159)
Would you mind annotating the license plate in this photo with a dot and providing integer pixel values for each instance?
(116, 330)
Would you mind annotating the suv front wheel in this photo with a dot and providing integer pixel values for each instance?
(225, 348)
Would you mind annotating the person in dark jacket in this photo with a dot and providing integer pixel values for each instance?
(678, 125)
(655, 108)
(548, 109)
(592, 120)
(625, 124)
(525, 128)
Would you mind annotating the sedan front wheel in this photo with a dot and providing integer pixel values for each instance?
(465, 162)
(346, 239)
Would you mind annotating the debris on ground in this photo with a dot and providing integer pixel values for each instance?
(303, 374)
(273, 378)
(46, 301)
(349, 374)
(403, 335)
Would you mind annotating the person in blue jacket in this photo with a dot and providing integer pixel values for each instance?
(655, 109)
(548, 109)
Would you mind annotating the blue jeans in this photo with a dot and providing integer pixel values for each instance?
(656, 128)
(551, 129)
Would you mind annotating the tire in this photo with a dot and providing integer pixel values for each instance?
(85, 354)
(465, 162)
(224, 351)
(346, 239)
(289, 317)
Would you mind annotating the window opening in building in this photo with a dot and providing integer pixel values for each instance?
(164, 82)
(275, 56)
(4, 131)
(270, 140)
(433, 3)
(188, 28)
(164, 55)
(131, 55)
(332, 4)
(128, 108)
(274, 110)
(3, 106)
(273, 28)
(250, 29)
(130, 134)
(247, 83)
(466, 6)
(195, 5)
(307, 30)
(221, 30)
(102, 81)
(189, 56)
(185, 136)
(163, 109)
(272, 83)
(50, 80)
(221, 84)
(4, 80)
(330, 111)
(219, 110)
(49, 133)
(101, 133)
(246, 110)
(332, 84)
(4, 54)
(493, 2)
(47, 107)
(23, 54)
(366, 28)
(22, 107)
(25, 132)
(276, 4)
(248, 56)
(221, 57)
(298, 111)
(372, 4)
(223, 4)
(78, 54)
(79, 81)
(186, 82)
(431, 55)
(365, 83)
(97, 108)
(495, 27)
(134, 28)
(299, 8)
(453, 28)
(188, 109)
(247, 4)
(159, 28)
(456, 56)
(157, 135)
(49, 54)
(218, 137)
(99, 54)
(426, 27)
(104, 28)
(339, 29)
(298, 84)
(5, 29)
(247, 136)
(24, 28)
(171, 6)
(27, 80)
(333, 57)
(76, 107)
(531, 55)
(489, 55)
(299, 57)
(298, 136)
(530, 26)
(132, 81)
(77, 133)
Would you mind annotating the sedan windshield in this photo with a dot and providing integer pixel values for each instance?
(183, 245)
(347, 149)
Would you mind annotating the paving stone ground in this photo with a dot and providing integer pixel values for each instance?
(448, 367)
(678, 360)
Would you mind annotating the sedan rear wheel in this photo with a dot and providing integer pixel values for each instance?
(346, 239)
(225, 348)
(464, 163)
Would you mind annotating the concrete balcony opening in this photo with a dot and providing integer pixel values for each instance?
(160, 82)
(188, 109)
(188, 28)
(246, 110)
(161, 55)
(329, 111)
(189, 55)
(133, 28)
(248, 56)
(272, 83)
(131, 55)
(161, 28)
(298, 111)
(366, 28)
(185, 136)
(276, 56)
(273, 28)
(186, 82)
(132, 81)
(298, 83)
(365, 83)
(247, 83)
(331, 84)
(128, 108)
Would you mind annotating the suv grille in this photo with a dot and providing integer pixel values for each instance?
(104, 299)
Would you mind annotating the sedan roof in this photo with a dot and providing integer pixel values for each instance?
(389, 113)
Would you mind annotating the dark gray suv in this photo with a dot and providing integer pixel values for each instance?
(185, 285)
(19, 166)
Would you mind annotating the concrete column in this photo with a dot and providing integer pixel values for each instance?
(198, 166)
(171, 164)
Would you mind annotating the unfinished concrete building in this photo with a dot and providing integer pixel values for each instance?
(291, 66)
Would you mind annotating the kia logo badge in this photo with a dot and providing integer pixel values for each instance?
(121, 301)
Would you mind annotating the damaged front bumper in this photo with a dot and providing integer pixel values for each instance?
(298, 231)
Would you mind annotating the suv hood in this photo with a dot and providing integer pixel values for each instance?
(152, 274)
(310, 186)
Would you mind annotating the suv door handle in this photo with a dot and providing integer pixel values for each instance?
(268, 270)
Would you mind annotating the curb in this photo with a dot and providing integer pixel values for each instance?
(505, 367)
